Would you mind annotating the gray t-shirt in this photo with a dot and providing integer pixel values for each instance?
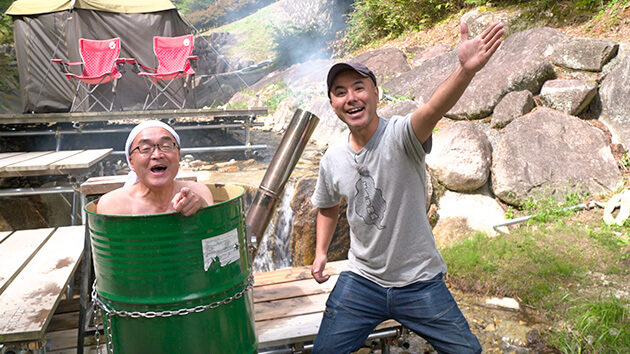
(391, 242)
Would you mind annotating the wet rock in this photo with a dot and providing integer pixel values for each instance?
(303, 234)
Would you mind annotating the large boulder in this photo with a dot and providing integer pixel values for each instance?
(569, 96)
(460, 158)
(385, 63)
(536, 42)
(614, 91)
(548, 153)
(505, 72)
(467, 212)
(512, 106)
(583, 53)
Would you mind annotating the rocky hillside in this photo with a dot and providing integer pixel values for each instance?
(545, 118)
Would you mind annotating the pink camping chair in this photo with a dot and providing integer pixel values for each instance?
(174, 55)
(101, 64)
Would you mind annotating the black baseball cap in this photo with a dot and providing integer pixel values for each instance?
(350, 65)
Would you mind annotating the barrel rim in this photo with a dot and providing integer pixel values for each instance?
(215, 205)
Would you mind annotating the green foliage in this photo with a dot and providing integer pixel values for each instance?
(547, 209)
(599, 326)
(555, 265)
(375, 19)
(223, 11)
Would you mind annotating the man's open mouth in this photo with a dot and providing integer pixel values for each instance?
(355, 110)
(158, 169)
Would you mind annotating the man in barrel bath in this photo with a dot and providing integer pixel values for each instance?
(152, 151)
(395, 269)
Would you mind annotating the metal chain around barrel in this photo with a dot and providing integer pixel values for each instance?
(152, 314)
(169, 313)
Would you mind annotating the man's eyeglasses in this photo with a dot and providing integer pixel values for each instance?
(147, 148)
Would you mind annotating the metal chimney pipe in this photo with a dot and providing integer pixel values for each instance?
(282, 164)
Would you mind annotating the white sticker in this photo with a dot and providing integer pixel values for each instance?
(222, 248)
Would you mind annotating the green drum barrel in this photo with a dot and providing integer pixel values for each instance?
(175, 284)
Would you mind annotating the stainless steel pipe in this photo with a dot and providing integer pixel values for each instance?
(282, 164)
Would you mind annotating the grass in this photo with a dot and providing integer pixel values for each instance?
(255, 33)
(569, 266)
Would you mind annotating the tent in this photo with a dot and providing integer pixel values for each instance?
(46, 29)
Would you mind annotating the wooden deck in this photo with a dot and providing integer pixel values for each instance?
(41, 163)
(288, 307)
(81, 117)
(35, 269)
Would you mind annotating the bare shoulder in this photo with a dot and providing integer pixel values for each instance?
(115, 202)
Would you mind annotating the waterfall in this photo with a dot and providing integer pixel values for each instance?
(275, 248)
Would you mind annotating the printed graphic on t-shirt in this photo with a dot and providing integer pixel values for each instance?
(369, 203)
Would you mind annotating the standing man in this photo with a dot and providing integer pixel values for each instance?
(395, 269)
(152, 151)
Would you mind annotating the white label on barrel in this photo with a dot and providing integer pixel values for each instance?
(222, 248)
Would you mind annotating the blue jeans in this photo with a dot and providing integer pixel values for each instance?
(356, 306)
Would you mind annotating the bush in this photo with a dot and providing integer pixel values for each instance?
(225, 11)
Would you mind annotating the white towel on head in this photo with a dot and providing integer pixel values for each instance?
(132, 177)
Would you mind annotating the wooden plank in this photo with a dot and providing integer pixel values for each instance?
(47, 118)
(65, 342)
(17, 251)
(5, 155)
(296, 288)
(26, 307)
(85, 159)
(296, 273)
(292, 307)
(102, 185)
(42, 163)
(297, 329)
(290, 330)
(4, 235)
(19, 158)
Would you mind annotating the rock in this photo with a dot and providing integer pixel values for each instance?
(615, 104)
(583, 53)
(498, 78)
(512, 106)
(506, 302)
(419, 55)
(478, 21)
(536, 42)
(330, 128)
(464, 145)
(569, 96)
(547, 153)
(385, 63)
(477, 211)
(400, 108)
(303, 234)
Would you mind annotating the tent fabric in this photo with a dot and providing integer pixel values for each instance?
(42, 37)
(36, 7)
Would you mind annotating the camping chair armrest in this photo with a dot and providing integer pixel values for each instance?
(141, 67)
(192, 59)
(131, 61)
(64, 66)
